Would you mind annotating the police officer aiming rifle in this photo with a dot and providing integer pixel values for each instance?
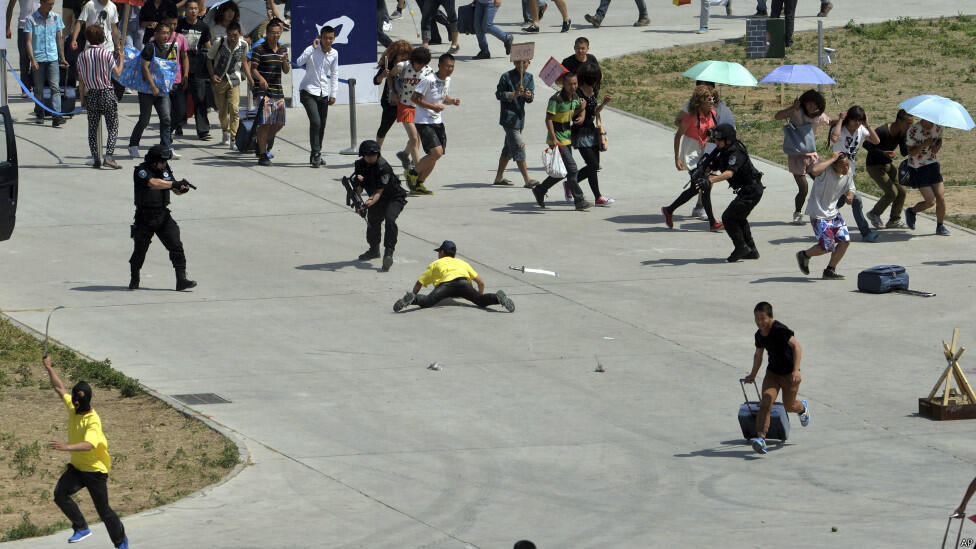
(153, 180)
(386, 200)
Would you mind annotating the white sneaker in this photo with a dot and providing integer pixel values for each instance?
(134, 152)
(176, 155)
(875, 220)
(233, 145)
(797, 218)
(225, 139)
(699, 213)
(896, 224)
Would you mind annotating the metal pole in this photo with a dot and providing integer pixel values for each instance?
(353, 148)
(820, 51)
(3, 67)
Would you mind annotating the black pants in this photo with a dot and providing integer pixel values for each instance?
(790, 6)
(591, 155)
(459, 287)
(74, 480)
(25, 64)
(196, 87)
(734, 217)
(177, 98)
(317, 109)
(566, 152)
(156, 221)
(691, 192)
(428, 10)
(388, 119)
(384, 211)
(381, 16)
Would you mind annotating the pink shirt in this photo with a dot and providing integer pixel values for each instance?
(698, 125)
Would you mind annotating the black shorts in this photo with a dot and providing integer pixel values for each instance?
(432, 135)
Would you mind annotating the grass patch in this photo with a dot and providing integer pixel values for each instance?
(158, 454)
(876, 66)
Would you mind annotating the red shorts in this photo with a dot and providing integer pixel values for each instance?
(404, 113)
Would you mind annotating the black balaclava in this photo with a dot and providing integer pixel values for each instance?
(82, 393)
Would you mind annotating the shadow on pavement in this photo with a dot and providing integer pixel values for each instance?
(784, 279)
(117, 289)
(678, 262)
(949, 262)
(737, 452)
(338, 265)
(643, 219)
(523, 208)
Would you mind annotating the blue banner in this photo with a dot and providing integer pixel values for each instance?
(355, 24)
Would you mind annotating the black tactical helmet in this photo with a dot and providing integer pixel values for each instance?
(723, 131)
(158, 153)
(369, 147)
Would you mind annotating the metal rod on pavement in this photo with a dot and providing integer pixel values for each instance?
(820, 51)
(3, 67)
(353, 149)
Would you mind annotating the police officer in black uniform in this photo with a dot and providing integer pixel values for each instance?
(153, 181)
(735, 166)
(386, 200)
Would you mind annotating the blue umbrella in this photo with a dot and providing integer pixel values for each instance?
(939, 110)
(797, 74)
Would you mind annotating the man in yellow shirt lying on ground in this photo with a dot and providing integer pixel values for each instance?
(451, 277)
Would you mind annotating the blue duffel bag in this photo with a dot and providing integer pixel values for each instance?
(882, 279)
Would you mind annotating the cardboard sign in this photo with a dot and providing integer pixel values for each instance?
(551, 71)
(522, 52)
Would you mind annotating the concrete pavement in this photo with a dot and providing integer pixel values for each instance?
(354, 443)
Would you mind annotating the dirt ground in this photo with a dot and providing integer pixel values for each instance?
(876, 66)
(158, 454)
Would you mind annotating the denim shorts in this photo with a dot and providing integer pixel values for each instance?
(514, 147)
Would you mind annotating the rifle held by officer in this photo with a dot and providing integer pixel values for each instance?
(353, 199)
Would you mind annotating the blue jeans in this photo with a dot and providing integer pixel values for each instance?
(526, 14)
(601, 11)
(484, 22)
(147, 102)
(48, 74)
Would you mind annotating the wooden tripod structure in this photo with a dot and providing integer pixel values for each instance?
(952, 371)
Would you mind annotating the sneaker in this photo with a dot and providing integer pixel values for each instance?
(542, 11)
(531, 28)
(604, 201)
(753, 254)
(910, 218)
(583, 205)
(805, 415)
(738, 254)
(715, 227)
(825, 9)
(263, 160)
(700, 214)
(110, 162)
(797, 218)
(177, 155)
(482, 55)
(233, 144)
(225, 138)
(371, 253)
(540, 196)
(803, 261)
(396, 14)
(566, 193)
(204, 136)
(411, 181)
(941, 230)
(761, 13)
(387, 260)
(701, 30)
(407, 299)
(39, 118)
(508, 44)
(420, 189)
(728, 8)
(566, 25)
(125, 544)
(505, 301)
(831, 274)
(870, 237)
(79, 535)
(668, 219)
(453, 49)
(58, 121)
(134, 152)
(875, 220)
(594, 20)
(178, 132)
(895, 224)
(404, 159)
(642, 22)
(759, 445)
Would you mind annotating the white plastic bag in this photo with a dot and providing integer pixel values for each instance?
(553, 162)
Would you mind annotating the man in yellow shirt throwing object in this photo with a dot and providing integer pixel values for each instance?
(451, 277)
(90, 462)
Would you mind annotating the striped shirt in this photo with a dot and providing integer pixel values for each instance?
(94, 67)
(269, 66)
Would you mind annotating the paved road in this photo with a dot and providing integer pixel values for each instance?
(354, 443)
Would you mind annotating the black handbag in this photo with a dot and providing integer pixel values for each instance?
(466, 19)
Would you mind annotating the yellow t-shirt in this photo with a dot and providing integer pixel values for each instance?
(87, 428)
(446, 269)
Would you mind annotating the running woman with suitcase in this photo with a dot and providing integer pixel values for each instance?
(782, 371)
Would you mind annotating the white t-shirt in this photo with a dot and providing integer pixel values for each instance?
(407, 79)
(827, 189)
(27, 7)
(94, 13)
(850, 144)
(434, 90)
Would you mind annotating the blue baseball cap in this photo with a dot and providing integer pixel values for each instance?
(447, 246)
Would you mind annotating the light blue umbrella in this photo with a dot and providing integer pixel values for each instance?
(797, 74)
(939, 110)
(721, 72)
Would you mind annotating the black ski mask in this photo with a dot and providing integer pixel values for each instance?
(82, 393)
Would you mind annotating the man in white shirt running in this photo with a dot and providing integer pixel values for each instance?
(319, 88)
(430, 97)
(833, 179)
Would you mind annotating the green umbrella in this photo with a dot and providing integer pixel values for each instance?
(722, 72)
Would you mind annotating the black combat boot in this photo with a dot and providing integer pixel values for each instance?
(134, 280)
(372, 253)
(387, 259)
(182, 282)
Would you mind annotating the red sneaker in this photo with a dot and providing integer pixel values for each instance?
(667, 217)
(715, 227)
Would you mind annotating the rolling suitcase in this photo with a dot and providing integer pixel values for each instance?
(779, 420)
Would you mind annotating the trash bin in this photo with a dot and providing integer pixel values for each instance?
(765, 38)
